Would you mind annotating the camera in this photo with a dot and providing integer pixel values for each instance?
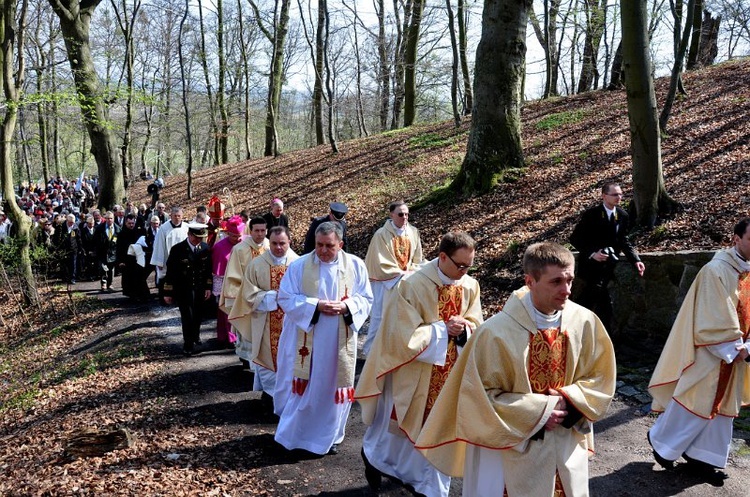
(610, 253)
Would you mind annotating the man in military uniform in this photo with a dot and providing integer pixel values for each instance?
(338, 211)
(188, 282)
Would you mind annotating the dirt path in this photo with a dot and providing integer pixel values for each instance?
(213, 386)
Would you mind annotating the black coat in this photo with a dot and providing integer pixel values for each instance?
(594, 232)
(106, 249)
(125, 239)
(69, 241)
(187, 271)
(310, 237)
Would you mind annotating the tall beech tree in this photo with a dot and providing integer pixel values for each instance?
(495, 136)
(75, 23)
(650, 195)
(12, 75)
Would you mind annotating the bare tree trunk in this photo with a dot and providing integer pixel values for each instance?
(223, 138)
(209, 89)
(709, 48)
(616, 79)
(277, 36)
(320, 43)
(494, 143)
(463, 19)
(188, 133)
(246, 78)
(126, 22)
(650, 196)
(410, 63)
(400, 58)
(323, 5)
(384, 71)
(12, 76)
(595, 20)
(679, 59)
(357, 58)
(454, 65)
(695, 37)
(75, 21)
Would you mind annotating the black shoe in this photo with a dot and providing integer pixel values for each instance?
(664, 463)
(333, 450)
(372, 474)
(707, 472)
(198, 342)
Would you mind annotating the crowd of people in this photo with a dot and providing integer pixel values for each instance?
(507, 403)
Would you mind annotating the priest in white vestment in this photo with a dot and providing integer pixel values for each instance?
(326, 298)
(426, 323)
(395, 251)
(701, 379)
(518, 408)
(170, 234)
(257, 313)
(240, 257)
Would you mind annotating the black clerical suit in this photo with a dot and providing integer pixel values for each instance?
(594, 232)
(317, 221)
(187, 280)
(106, 252)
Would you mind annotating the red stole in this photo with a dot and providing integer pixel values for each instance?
(276, 317)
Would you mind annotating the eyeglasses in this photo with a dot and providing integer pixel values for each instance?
(403, 214)
(614, 194)
(460, 267)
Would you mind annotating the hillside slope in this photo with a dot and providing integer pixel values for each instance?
(572, 145)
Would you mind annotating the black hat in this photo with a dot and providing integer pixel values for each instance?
(339, 209)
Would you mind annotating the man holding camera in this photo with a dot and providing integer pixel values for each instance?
(600, 237)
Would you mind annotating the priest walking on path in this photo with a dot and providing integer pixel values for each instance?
(242, 253)
(518, 408)
(425, 325)
(701, 379)
(326, 298)
(257, 313)
(394, 253)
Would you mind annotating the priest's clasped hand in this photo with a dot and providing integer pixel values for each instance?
(558, 413)
(332, 307)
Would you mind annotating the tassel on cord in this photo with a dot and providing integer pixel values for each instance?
(299, 386)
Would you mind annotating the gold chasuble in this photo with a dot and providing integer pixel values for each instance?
(716, 310)
(406, 332)
(449, 305)
(496, 398)
(260, 327)
(389, 254)
(402, 251)
(347, 347)
(275, 318)
(239, 258)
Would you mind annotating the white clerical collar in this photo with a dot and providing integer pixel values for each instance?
(277, 261)
(541, 320)
(399, 231)
(744, 263)
(443, 278)
(335, 261)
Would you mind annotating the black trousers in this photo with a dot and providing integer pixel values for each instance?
(191, 304)
(107, 272)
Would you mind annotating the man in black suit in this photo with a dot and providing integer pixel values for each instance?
(188, 282)
(337, 213)
(600, 238)
(106, 249)
(70, 247)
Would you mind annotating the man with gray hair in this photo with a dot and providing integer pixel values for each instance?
(326, 298)
(170, 234)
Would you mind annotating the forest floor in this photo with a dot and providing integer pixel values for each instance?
(79, 361)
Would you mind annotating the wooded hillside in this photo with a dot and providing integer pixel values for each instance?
(572, 145)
